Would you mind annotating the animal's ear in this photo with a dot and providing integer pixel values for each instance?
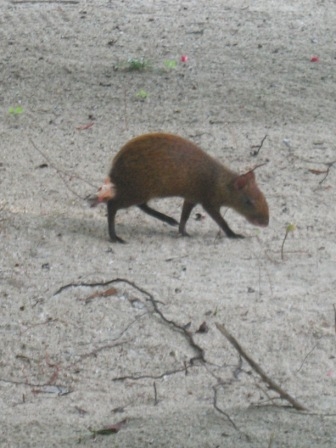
(241, 181)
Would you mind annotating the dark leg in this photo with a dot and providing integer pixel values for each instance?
(111, 212)
(186, 210)
(150, 211)
(217, 217)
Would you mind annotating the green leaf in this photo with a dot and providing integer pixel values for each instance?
(290, 228)
(137, 64)
(170, 63)
(142, 94)
(17, 110)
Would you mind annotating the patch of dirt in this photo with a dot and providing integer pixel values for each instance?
(79, 79)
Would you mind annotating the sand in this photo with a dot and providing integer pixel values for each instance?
(95, 334)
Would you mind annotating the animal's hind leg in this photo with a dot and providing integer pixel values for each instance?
(186, 210)
(112, 209)
(150, 211)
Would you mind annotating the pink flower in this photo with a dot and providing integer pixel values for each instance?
(184, 58)
(314, 59)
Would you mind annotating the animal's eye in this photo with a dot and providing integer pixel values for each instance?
(248, 202)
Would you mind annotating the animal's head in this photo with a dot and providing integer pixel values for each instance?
(248, 200)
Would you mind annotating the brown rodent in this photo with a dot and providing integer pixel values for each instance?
(162, 165)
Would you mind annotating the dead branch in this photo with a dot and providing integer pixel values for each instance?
(307, 355)
(84, 284)
(256, 152)
(156, 401)
(272, 385)
(125, 110)
(289, 228)
(100, 349)
(49, 320)
(62, 173)
(329, 165)
(215, 405)
(180, 328)
(39, 387)
(151, 377)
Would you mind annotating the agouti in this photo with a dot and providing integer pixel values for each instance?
(163, 165)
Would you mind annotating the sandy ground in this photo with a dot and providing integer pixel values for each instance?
(80, 357)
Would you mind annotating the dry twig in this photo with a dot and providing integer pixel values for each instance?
(180, 328)
(62, 173)
(256, 152)
(329, 165)
(307, 355)
(215, 405)
(289, 228)
(272, 385)
(155, 394)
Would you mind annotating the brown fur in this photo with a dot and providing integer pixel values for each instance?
(164, 165)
